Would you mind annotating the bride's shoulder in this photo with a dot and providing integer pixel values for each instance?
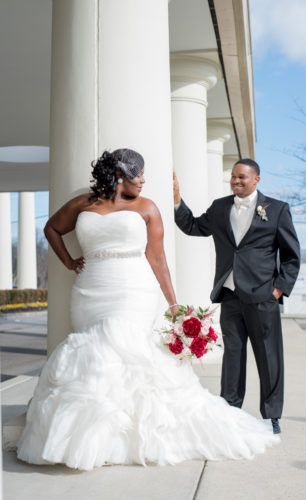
(81, 202)
(147, 205)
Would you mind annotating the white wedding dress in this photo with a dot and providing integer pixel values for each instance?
(109, 393)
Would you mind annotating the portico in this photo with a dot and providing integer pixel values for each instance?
(176, 85)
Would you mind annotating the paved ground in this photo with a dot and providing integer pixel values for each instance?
(23, 343)
(280, 474)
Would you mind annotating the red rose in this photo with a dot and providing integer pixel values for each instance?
(192, 327)
(177, 346)
(212, 334)
(198, 346)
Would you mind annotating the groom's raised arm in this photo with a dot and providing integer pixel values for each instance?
(193, 226)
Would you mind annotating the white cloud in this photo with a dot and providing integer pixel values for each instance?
(279, 24)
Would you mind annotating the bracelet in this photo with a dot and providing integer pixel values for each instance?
(173, 305)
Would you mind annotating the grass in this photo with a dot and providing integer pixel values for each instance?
(30, 306)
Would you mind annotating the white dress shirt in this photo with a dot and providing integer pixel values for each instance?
(241, 216)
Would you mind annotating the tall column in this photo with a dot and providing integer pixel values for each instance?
(228, 162)
(191, 78)
(135, 107)
(6, 279)
(218, 134)
(73, 136)
(110, 89)
(26, 255)
(226, 182)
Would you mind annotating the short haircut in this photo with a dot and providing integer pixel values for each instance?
(250, 163)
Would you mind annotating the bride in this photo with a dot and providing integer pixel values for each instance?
(108, 393)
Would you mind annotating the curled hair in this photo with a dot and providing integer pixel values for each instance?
(123, 162)
(104, 176)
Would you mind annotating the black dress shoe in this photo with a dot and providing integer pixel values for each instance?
(275, 426)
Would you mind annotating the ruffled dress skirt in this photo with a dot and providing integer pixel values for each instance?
(110, 394)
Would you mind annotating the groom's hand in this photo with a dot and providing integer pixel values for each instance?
(176, 190)
(277, 293)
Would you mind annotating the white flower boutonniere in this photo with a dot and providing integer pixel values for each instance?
(261, 211)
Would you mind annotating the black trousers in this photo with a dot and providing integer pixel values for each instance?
(262, 324)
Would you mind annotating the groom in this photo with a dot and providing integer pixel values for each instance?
(257, 262)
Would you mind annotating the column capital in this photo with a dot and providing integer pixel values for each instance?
(228, 161)
(218, 130)
(191, 77)
(187, 68)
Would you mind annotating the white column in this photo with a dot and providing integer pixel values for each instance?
(26, 255)
(226, 182)
(191, 78)
(228, 163)
(73, 136)
(6, 279)
(110, 89)
(135, 107)
(218, 134)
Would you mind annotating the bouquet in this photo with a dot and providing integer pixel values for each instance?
(191, 334)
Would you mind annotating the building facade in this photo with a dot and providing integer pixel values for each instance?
(172, 80)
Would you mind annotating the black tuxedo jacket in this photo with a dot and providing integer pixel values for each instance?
(267, 257)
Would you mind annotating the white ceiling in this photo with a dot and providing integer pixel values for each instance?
(190, 26)
(25, 57)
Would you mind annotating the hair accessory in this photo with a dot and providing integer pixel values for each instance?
(129, 162)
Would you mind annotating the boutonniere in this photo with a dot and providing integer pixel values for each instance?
(261, 211)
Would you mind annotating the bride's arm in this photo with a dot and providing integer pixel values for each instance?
(62, 222)
(156, 255)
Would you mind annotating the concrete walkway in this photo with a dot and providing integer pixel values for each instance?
(279, 474)
(23, 343)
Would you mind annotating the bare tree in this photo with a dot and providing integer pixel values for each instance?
(14, 262)
(296, 197)
(42, 261)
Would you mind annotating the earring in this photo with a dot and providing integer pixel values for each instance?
(120, 180)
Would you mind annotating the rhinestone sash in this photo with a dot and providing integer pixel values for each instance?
(106, 254)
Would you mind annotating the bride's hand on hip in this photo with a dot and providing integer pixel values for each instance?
(76, 265)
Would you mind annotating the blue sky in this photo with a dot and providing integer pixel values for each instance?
(279, 59)
(279, 85)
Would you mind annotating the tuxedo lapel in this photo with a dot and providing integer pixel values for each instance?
(255, 220)
(227, 213)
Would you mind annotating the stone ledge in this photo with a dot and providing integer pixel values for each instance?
(12, 382)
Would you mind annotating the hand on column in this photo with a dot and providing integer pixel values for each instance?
(176, 190)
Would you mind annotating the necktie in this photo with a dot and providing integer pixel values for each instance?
(242, 202)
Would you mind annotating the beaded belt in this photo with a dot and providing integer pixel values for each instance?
(105, 254)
